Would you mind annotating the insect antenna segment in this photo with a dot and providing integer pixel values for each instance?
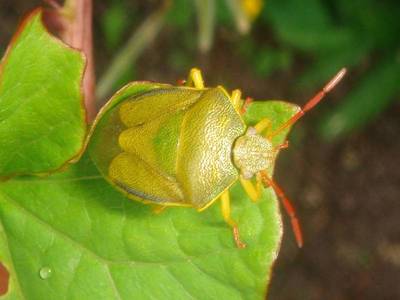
(268, 182)
(311, 103)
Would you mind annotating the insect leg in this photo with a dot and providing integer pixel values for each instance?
(262, 125)
(181, 82)
(195, 79)
(253, 192)
(236, 99)
(287, 205)
(226, 213)
(259, 183)
(311, 102)
(282, 146)
(158, 209)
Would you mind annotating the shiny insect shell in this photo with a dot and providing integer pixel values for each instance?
(186, 146)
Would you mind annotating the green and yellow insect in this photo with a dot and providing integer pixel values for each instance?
(187, 145)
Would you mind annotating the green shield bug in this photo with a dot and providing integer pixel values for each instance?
(186, 145)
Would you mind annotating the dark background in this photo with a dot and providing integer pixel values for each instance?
(342, 169)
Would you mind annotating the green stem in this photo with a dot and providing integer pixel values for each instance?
(242, 22)
(139, 40)
(206, 23)
(78, 34)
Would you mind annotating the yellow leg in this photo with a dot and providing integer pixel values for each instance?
(158, 209)
(226, 213)
(262, 125)
(236, 99)
(195, 79)
(253, 192)
(259, 185)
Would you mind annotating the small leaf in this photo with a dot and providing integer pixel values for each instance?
(42, 120)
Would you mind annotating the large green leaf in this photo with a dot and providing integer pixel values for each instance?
(100, 245)
(42, 120)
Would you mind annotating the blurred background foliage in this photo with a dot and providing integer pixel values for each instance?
(341, 168)
(362, 35)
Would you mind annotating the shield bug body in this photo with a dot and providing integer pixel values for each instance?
(186, 146)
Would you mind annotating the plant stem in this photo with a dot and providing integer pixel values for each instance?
(242, 22)
(138, 41)
(78, 34)
(206, 23)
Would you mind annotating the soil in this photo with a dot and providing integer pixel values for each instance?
(347, 193)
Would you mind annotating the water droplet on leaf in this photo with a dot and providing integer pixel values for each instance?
(45, 272)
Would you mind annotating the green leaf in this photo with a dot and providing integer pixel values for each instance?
(306, 25)
(374, 20)
(100, 245)
(42, 119)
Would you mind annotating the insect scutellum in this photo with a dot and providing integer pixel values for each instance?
(254, 154)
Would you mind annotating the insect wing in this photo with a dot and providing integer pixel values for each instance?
(137, 140)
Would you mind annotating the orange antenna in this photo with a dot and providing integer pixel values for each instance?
(287, 204)
(311, 103)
